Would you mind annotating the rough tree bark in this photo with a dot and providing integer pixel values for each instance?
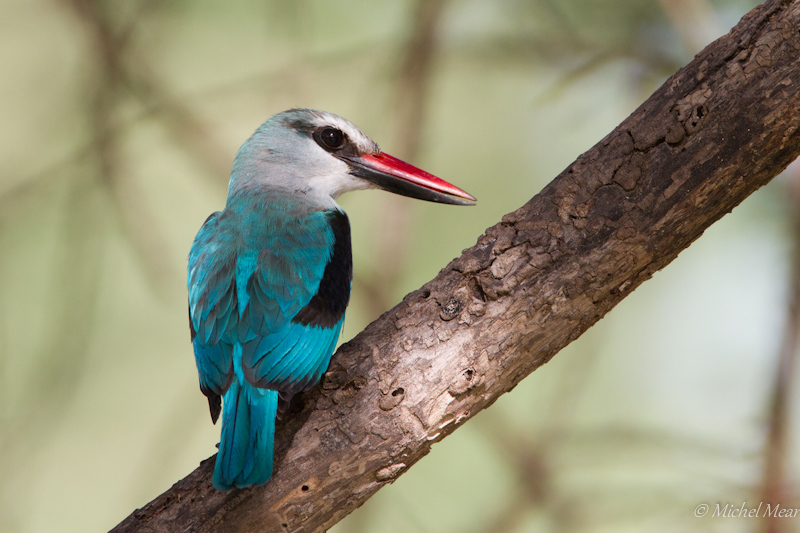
(716, 131)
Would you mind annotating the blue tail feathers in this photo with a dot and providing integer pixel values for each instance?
(248, 432)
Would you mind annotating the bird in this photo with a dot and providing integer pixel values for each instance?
(269, 276)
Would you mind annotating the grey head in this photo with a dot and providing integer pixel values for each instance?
(317, 156)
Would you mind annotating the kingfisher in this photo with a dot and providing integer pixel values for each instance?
(269, 276)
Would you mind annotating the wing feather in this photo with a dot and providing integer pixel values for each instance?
(212, 305)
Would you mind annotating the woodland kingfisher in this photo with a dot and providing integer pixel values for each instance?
(269, 276)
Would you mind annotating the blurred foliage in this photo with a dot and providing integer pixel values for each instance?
(122, 120)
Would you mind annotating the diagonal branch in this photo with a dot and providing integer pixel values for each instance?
(716, 131)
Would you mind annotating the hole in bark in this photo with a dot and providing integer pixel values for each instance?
(468, 373)
(284, 525)
(477, 290)
(701, 111)
(398, 391)
(697, 118)
(426, 293)
(304, 488)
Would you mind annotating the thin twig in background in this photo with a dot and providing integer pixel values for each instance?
(775, 485)
(694, 20)
(107, 85)
(61, 352)
(411, 97)
(64, 350)
(531, 458)
(74, 282)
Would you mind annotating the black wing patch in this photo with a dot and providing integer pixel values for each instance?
(327, 306)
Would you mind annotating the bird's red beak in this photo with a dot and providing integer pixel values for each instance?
(397, 176)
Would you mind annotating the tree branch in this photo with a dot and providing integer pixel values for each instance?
(716, 131)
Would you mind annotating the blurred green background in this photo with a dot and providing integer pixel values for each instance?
(120, 123)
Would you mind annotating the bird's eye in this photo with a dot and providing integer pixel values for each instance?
(331, 138)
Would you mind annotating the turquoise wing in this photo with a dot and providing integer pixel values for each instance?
(291, 354)
(213, 312)
(281, 296)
